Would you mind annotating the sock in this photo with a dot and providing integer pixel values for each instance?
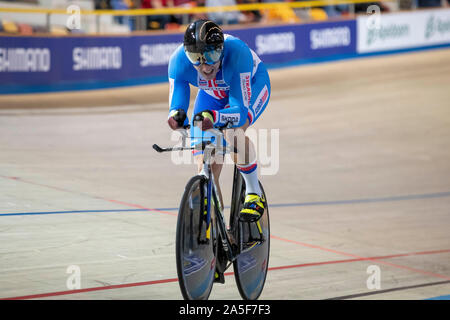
(250, 174)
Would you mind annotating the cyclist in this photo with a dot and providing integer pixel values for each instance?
(234, 87)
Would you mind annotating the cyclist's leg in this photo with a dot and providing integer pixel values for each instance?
(246, 158)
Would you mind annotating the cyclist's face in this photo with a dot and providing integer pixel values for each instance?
(208, 71)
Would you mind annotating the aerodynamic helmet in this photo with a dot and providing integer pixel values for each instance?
(203, 42)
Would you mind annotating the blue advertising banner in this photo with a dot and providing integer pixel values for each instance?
(42, 64)
(65, 63)
(293, 43)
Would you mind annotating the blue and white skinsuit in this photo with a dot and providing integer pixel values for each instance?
(240, 91)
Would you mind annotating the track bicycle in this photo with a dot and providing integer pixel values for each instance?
(205, 247)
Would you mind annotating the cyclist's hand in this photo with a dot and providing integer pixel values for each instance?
(204, 119)
(176, 119)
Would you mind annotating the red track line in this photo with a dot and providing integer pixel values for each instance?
(413, 253)
(376, 259)
(88, 195)
(118, 286)
(38, 184)
(146, 283)
(359, 259)
(139, 206)
(436, 275)
(315, 247)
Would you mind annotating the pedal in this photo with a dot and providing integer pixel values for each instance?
(255, 236)
(219, 277)
(203, 242)
(249, 245)
(231, 237)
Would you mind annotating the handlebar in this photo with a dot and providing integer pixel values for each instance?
(216, 131)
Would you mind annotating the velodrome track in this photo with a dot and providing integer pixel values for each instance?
(363, 180)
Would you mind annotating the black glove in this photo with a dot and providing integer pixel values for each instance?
(204, 119)
(176, 119)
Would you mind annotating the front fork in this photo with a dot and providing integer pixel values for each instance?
(211, 198)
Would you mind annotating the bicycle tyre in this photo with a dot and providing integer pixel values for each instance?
(195, 261)
(251, 266)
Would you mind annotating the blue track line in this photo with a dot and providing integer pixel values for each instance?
(447, 297)
(74, 211)
(350, 201)
(275, 205)
(367, 200)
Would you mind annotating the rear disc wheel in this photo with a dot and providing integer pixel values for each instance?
(251, 266)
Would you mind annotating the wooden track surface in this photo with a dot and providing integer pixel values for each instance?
(363, 180)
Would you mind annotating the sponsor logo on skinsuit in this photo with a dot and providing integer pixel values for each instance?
(281, 42)
(215, 88)
(216, 84)
(97, 58)
(246, 88)
(261, 100)
(25, 60)
(232, 117)
(330, 38)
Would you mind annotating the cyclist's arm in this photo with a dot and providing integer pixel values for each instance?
(179, 92)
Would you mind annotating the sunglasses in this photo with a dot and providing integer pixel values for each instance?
(207, 57)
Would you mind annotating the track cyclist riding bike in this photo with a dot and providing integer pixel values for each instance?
(234, 86)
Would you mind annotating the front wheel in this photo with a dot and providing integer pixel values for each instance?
(196, 247)
(251, 266)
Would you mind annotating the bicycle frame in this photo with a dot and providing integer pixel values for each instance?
(212, 194)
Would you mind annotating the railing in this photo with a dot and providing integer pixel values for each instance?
(186, 11)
